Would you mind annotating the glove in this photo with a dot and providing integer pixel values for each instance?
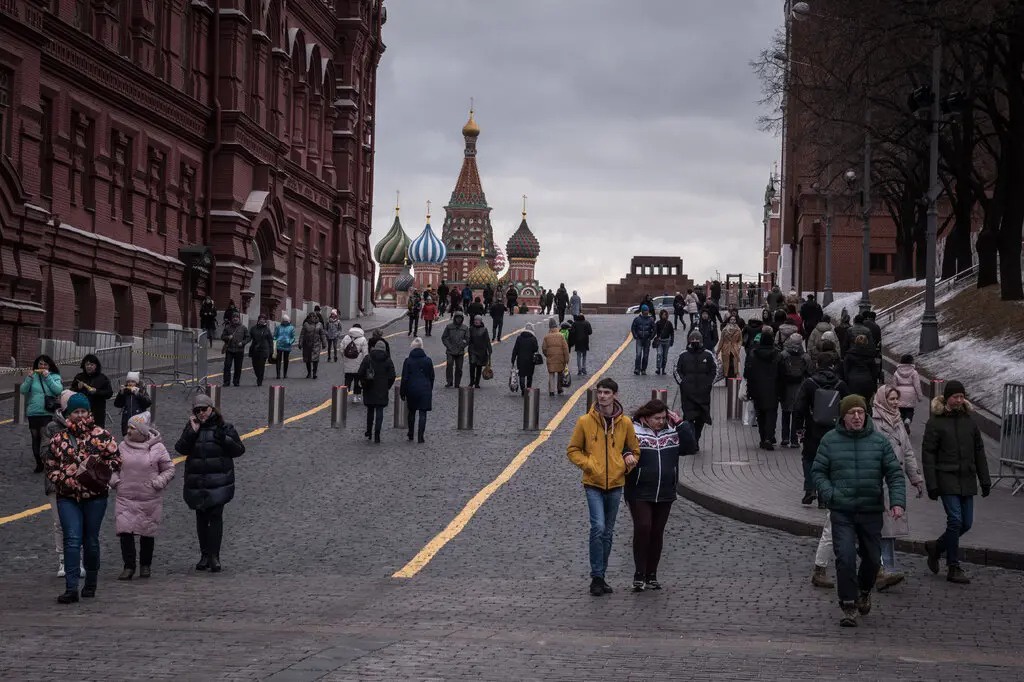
(985, 490)
(933, 494)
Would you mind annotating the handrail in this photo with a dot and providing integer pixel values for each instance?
(948, 283)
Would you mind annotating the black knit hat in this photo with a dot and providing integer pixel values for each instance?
(907, 359)
(952, 388)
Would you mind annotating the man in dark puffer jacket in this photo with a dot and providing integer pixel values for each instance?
(848, 470)
(953, 455)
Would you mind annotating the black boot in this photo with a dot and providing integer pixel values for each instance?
(144, 571)
(315, 365)
(204, 563)
(69, 597)
(39, 465)
(214, 563)
(127, 573)
(91, 578)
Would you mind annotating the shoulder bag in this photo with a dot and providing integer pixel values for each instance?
(51, 403)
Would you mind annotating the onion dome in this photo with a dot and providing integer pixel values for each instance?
(523, 243)
(392, 249)
(500, 261)
(471, 129)
(481, 275)
(405, 280)
(428, 247)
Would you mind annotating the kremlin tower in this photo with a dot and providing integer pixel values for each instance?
(390, 254)
(467, 223)
(427, 254)
(523, 249)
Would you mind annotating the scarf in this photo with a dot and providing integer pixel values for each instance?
(881, 409)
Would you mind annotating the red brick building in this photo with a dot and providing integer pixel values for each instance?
(154, 152)
(653, 275)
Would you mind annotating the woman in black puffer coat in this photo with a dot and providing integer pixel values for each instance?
(523, 352)
(650, 488)
(861, 370)
(210, 446)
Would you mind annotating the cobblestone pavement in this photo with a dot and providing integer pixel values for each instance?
(322, 520)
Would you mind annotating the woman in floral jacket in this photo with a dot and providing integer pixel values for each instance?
(81, 461)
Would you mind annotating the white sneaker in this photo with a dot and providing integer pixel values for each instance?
(60, 567)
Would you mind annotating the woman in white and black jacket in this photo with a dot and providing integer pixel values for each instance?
(651, 486)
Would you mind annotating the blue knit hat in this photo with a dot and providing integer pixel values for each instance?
(77, 402)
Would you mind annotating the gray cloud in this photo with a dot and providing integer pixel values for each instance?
(631, 126)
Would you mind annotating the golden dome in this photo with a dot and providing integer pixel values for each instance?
(471, 129)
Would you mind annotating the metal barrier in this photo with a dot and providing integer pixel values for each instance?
(20, 401)
(175, 355)
(660, 394)
(1011, 438)
(531, 409)
(591, 398)
(154, 392)
(466, 408)
(275, 406)
(401, 417)
(339, 406)
(935, 388)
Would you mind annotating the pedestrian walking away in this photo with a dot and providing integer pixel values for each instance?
(208, 319)
(146, 470)
(210, 446)
(679, 311)
(334, 331)
(908, 382)
(455, 340)
(497, 313)
(413, 310)
(377, 375)
(888, 422)
(604, 447)
(417, 388)
(861, 372)
(443, 293)
(525, 357)
(650, 488)
(312, 341)
(429, 314)
(261, 347)
(81, 461)
(511, 300)
(579, 341)
(762, 373)
(479, 351)
(555, 349)
(811, 313)
(43, 387)
(94, 385)
(852, 462)
(795, 367)
(235, 337)
(817, 403)
(575, 305)
(642, 331)
(955, 466)
(561, 302)
(132, 398)
(354, 349)
(284, 339)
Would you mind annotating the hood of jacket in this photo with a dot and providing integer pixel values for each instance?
(356, 333)
(827, 358)
(417, 353)
(755, 325)
(458, 319)
(617, 412)
(378, 355)
(939, 408)
(826, 378)
(793, 347)
(905, 372)
(823, 327)
(765, 354)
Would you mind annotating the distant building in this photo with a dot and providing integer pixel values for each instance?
(467, 217)
(654, 275)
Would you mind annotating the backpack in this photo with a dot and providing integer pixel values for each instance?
(825, 407)
(351, 350)
(794, 368)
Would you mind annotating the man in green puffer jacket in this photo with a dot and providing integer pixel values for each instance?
(848, 470)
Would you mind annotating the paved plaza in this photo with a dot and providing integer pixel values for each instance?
(322, 521)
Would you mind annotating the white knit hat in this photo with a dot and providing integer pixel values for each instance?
(133, 376)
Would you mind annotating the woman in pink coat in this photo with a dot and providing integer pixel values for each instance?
(145, 471)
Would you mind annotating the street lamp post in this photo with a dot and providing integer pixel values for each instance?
(929, 321)
(865, 275)
(826, 294)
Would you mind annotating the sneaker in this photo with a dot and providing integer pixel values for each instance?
(784, 444)
(596, 588)
(849, 618)
(636, 372)
(863, 603)
(652, 582)
(819, 578)
(956, 575)
(605, 586)
(931, 548)
(638, 583)
(808, 498)
(60, 567)
(886, 580)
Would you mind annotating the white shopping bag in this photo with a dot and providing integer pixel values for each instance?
(748, 413)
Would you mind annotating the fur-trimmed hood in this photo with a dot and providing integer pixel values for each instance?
(939, 407)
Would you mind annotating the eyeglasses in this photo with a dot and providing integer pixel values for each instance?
(199, 410)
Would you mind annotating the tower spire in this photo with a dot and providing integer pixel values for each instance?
(524, 207)
(398, 197)
(428, 210)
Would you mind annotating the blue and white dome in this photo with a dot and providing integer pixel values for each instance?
(427, 248)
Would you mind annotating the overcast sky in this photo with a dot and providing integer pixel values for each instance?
(630, 124)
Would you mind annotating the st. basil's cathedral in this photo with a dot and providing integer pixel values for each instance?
(465, 253)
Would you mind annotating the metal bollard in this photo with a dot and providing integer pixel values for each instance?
(275, 406)
(154, 393)
(339, 406)
(734, 406)
(466, 394)
(591, 398)
(935, 388)
(213, 390)
(660, 394)
(401, 420)
(531, 409)
(19, 405)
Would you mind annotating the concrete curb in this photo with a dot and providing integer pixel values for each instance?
(974, 555)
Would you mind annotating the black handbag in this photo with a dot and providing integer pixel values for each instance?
(51, 403)
(538, 359)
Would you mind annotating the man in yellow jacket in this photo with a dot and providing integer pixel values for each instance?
(604, 446)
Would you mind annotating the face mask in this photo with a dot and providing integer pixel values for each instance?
(694, 345)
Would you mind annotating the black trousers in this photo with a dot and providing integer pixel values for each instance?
(36, 425)
(412, 421)
(374, 419)
(525, 382)
(442, 305)
(414, 325)
(281, 367)
(453, 369)
(428, 326)
(354, 387)
(332, 349)
(497, 324)
(649, 521)
(475, 374)
(675, 320)
(698, 427)
(210, 529)
(259, 366)
(233, 360)
(766, 423)
(128, 550)
(311, 368)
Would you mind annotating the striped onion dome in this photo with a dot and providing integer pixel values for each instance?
(405, 280)
(391, 250)
(427, 248)
(523, 244)
(500, 260)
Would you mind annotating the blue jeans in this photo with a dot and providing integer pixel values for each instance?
(662, 359)
(604, 508)
(81, 523)
(581, 361)
(643, 353)
(856, 535)
(959, 519)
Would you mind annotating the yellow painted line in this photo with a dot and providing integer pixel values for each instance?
(456, 526)
(245, 436)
